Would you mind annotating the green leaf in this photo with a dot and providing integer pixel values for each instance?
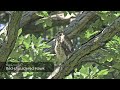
(16, 53)
(20, 40)
(34, 39)
(110, 59)
(117, 14)
(104, 12)
(84, 71)
(44, 45)
(103, 15)
(25, 74)
(44, 13)
(69, 77)
(27, 41)
(19, 31)
(39, 44)
(40, 39)
(48, 22)
(77, 73)
(103, 72)
(88, 64)
(65, 13)
(32, 53)
(25, 58)
(117, 39)
(94, 70)
(39, 21)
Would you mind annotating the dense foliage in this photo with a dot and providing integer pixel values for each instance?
(30, 46)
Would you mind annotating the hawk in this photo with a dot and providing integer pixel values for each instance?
(63, 47)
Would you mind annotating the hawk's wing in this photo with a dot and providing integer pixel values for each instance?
(67, 45)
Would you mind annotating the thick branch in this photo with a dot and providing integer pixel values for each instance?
(12, 32)
(27, 17)
(96, 42)
(57, 20)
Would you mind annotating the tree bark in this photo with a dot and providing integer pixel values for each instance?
(12, 33)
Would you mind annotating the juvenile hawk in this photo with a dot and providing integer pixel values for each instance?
(63, 47)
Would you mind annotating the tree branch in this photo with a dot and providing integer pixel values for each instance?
(27, 17)
(12, 33)
(57, 20)
(94, 43)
